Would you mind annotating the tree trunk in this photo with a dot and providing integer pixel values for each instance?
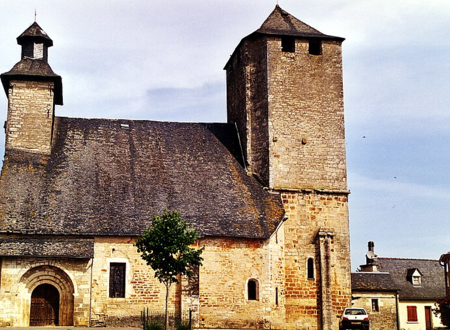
(166, 319)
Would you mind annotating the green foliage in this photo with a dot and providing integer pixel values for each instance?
(154, 325)
(166, 247)
(442, 310)
(182, 326)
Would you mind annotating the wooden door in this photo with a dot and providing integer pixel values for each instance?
(428, 318)
(44, 306)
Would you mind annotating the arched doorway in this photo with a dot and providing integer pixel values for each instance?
(44, 306)
(51, 284)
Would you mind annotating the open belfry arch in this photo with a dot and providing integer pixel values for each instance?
(266, 191)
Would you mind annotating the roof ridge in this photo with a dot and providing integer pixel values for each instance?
(423, 259)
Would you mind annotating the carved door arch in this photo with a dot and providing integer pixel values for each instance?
(53, 278)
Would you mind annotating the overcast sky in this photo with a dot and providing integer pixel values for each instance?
(164, 59)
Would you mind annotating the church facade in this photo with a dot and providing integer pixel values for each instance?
(266, 191)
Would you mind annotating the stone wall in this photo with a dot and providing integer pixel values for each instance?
(317, 227)
(21, 275)
(386, 316)
(29, 123)
(220, 301)
(141, 288)
(306, 117)
(289, 110)
(247, 103)
(229, 265)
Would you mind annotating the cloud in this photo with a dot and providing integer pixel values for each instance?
(397, 187)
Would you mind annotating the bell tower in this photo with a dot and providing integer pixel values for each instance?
(285, 95)
(285, 92)
(33, 90)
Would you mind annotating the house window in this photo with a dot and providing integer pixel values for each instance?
(288, 44)
(375, 306)
(412, 313)
(117, 280)
(416, 280)
(252, 289)
(315, 47)
(310, 267)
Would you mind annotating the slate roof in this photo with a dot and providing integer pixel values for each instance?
(433, 283)
(373, 281)
(36, 70)
(109, 177)
(34, 31)
(47, 247)
(281, 22)
(32, 67)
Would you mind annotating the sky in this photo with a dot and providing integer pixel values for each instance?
(164, 59)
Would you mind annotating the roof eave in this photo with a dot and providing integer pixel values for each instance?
(7, 77)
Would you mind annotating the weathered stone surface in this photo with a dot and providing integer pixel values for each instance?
(103, 180)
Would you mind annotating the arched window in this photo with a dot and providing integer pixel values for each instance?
(252, 290)
(310, 267)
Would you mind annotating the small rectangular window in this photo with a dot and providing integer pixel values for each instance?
(194, 281)
(375, 306)
(412, 313)
(276, 296)
(288, 44)
(252, 289)
(310, 268)
(117, 280)
(315, 47)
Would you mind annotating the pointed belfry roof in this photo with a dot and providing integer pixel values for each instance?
(33, 69)
(280, 22)
(35, 32)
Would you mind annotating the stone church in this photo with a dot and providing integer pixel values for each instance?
(266, 191)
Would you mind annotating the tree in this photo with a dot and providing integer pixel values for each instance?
(442, 310)
(165, 246)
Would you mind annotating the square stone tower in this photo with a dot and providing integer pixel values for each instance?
(285, 95)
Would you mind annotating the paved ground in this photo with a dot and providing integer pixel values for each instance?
(69, 328)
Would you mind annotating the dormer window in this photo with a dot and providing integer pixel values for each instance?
(414, 276)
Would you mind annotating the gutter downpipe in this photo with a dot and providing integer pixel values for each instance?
(90, 294)
(398, 310)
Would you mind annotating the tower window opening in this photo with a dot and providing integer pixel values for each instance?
(252, 290)
(288, 44)
(315, 47)
(310, 268)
